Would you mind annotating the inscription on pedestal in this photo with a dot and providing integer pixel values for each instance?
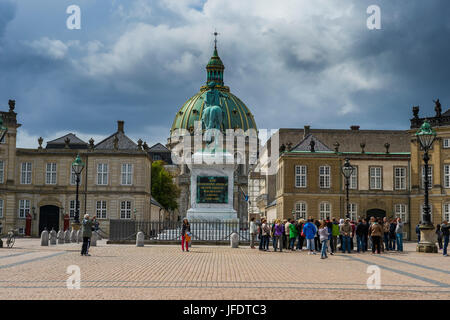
(212, 189)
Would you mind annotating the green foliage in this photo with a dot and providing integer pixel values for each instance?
(163, 189)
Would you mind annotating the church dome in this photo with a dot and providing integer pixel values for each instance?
(237, 115)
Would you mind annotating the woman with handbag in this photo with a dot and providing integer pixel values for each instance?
(185, 234)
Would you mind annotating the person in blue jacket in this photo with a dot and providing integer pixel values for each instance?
(309, 230)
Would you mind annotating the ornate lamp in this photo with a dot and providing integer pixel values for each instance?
(426, 136)
(347, 170)
(77, 167)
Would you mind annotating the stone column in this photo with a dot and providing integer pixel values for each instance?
(53, 237)
(94, 239)
(60, 237)
(67, 236)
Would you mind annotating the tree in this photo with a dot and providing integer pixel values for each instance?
(163, 189)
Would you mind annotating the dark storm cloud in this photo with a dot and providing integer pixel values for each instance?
(314, 63)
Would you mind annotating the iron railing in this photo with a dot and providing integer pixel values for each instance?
(160, 231)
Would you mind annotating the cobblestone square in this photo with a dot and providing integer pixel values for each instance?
(29, 271)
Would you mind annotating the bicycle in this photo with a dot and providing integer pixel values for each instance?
(11, 238)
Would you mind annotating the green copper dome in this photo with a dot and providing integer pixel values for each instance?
(236, 113)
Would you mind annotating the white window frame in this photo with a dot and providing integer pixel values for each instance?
(324, 210)
(102, 174)
(101, 209)
(430, 177)
(446, 211)
(354, 179)
(446, 143)
(127, 174)
(376, 178)
(400, 179)
(1, 208)
(125, 209)
(301, 176)
(301, 210)
(24, 208)
(353, 211)
(447, 176)
(72, 208)
(401, 211)
(325, 177)
(50, 175)
(26, 170)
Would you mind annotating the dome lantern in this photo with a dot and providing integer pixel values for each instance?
(215, 67)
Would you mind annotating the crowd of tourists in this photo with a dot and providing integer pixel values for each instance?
(330, 235)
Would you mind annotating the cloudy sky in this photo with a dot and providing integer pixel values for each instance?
(292, 62)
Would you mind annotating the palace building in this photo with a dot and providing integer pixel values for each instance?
(387, 180)
(40, 184)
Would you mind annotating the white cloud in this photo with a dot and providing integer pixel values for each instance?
(54, 49)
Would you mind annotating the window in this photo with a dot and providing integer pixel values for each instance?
(2, 171)
(73, 177)
(375, 178)
(353, 211)
(24, 208)
(400, 211)
(325, 210)
(446, 143)
(300, 210)
(50, 173)
(21, 231)
(400, 178)
(1, 208)
(102, 174)
(446, 213)
(72, 208)
(447, 176)
(300, 176)
(430, 177)
(127, 174)
(354, 179)
(101, 210)
(324, 177)
(25, 173)
(125, 210)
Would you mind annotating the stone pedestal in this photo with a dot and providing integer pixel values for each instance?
(44, 238)
(94, 239)
(234, 240)
(67, 236)
(60, 237)
(79, 236)
(73, 234)
(52, 237)
(427, 239)
(218, 164)
(140, 239)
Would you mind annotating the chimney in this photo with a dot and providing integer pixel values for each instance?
(120, 125)
(354, 128)
(306, 131)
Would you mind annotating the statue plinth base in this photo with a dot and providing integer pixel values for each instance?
(428, 239)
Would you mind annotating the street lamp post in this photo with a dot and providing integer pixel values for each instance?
(77, 167)
(426, 136)
(347, 170)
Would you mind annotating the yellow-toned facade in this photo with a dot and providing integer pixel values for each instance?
(39, 182)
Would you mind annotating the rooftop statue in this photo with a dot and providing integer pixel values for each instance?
(437, 107)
